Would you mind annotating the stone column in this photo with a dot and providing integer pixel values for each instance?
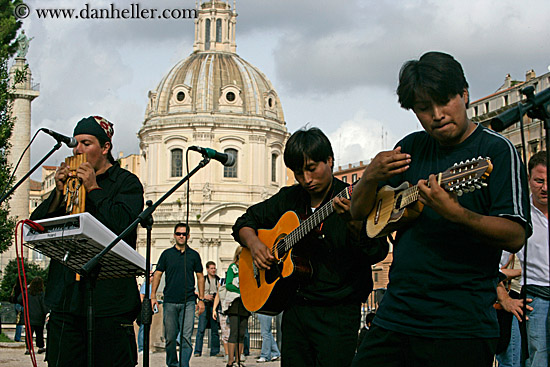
(24, 93)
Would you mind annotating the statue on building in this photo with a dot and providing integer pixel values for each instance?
(23, 44)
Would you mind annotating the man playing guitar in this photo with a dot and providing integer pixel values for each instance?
(321, 320)
(438, 308)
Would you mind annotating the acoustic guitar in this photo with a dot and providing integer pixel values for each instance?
(268, 291)
(394, 208)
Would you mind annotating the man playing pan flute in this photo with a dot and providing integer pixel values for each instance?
(321, 320)
(115, 197)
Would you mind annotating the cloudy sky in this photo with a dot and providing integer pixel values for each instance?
(333, 63)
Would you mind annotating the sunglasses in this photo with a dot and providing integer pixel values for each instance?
(181, 233)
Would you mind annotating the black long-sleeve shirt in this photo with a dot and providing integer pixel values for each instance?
(116, 205)
(341, 263)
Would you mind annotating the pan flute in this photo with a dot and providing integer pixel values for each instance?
(73, 190)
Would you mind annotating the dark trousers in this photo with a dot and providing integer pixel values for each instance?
(114, 341)
(38, 331)
(206, 320)
(319, 336)
(386, 348)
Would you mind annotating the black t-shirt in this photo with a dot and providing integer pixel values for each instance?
(341, 264)
(116, 205)
(442, 279)
(179, 269)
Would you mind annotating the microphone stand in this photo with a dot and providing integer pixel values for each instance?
(92, 268)
(146, 311)
(8, 194)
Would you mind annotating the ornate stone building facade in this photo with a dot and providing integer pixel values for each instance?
(506, 97)
(212, 99)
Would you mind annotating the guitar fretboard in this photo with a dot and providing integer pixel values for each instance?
(311, 222)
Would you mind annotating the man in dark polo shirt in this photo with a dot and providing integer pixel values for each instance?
(179, 263)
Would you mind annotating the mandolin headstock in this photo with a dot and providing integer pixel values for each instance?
(466, 176)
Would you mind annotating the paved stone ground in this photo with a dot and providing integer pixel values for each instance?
(13, 355)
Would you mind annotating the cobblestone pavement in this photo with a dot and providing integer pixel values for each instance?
(14, 356)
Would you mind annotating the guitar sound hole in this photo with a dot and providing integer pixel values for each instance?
(398, 201)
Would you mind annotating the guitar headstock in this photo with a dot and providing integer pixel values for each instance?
(466, 176)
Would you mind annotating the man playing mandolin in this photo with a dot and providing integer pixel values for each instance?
(321, 320)
(438, 308)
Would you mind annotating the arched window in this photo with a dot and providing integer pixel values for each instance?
(274, 167)
(207, 35)
(231, 171)
(177, 165)
(218, 30)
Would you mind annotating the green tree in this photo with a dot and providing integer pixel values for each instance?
(10, 276)
(9, 26)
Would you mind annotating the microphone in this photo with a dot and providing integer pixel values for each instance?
(533, 102)
(227, 160)
(69, 141)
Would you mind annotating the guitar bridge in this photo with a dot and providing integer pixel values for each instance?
(256, 275)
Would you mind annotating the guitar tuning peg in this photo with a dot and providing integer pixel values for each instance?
(456, 164)
(459, 192)
(484, 184)
(461, 162)
(477, 186)
(472, 188)
(467, 161)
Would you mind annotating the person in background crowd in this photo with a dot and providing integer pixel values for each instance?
(37, 313)
(181, 264)
(18, 307)
(270, 351)
(142, 297)
(211, 285)
(538, 266)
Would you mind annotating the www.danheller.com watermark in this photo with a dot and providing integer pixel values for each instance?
(134, 11)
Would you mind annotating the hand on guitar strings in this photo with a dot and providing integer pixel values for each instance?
(442, 202)
(386, 165)
(342, 207)
(261, 254)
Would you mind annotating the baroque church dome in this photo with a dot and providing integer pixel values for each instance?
(215, 99)
(214, 79)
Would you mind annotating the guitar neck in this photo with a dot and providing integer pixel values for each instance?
(314, 220)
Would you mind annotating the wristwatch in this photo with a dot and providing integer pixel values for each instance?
(201, 299)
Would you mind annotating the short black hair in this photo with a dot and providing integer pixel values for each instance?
(536, 159)
(182, 225)
(208, 263)
(305, 143)
(436, 75)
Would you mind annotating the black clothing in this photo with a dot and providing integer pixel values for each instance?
(321, 336)
(114, 341)
(116, 301)
(392, 349)
(341, 271)
(179, 268)
(116, 205)
(443, 278)
(37, 308)
(320, 324)
(38, 331)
